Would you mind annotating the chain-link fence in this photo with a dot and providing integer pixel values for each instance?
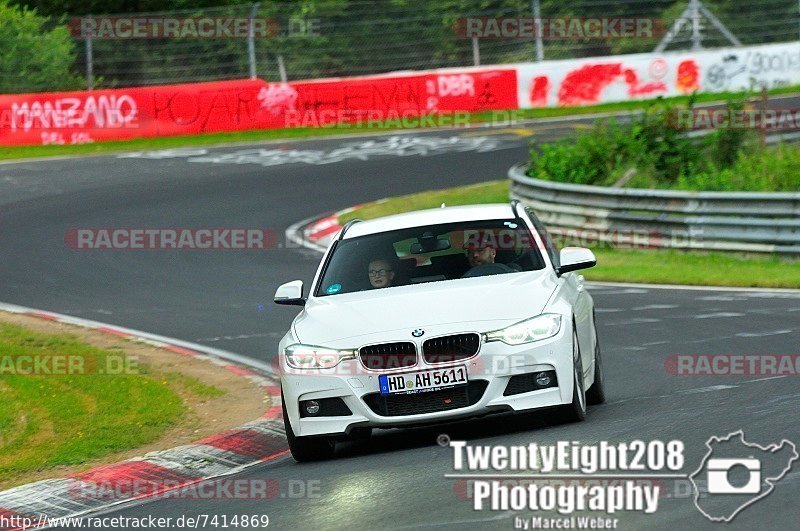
(306, 40)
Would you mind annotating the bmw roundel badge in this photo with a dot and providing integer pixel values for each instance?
(418, 332)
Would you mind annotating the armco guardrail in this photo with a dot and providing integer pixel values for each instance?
(724, 221)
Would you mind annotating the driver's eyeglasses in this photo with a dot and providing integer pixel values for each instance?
(379, 272)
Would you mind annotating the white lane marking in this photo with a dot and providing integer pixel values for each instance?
(240, 336)
(696, 390)
(164, 154)
(635, 320)
(718, 314)
(609, 310)
(764, 334)
(756, 292)
(775, 295)
(655, 307)
(626, 291)
(765, 379)
(709, 389)
(394, 146)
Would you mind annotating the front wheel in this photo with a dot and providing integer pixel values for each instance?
(576, 411)
(307, 448)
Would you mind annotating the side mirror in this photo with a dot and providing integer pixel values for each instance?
(575, 258)
(290, 294)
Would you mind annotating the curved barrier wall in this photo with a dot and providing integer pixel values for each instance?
(723, 221)
(394, 99)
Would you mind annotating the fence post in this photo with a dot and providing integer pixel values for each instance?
(89, 60)
(476, 51)
(251, 41)
(697, 29)
(537, 24)
(281, 68)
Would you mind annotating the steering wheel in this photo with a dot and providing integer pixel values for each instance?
(483, 270)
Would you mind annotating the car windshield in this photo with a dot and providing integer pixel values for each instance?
(430, 253)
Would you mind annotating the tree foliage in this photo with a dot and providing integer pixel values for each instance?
(33, 55)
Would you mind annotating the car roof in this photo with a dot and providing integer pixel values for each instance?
(433, 216)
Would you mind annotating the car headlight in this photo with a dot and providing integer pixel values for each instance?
(301, 356)
(534, 329)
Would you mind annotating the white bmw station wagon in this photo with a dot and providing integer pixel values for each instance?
(437, 315)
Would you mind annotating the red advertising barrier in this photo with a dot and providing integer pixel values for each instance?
(239, 105)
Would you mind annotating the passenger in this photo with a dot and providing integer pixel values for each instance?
(380, 273)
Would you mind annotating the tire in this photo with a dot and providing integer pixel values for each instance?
(307, 448)
(597, 392)
(576, 411)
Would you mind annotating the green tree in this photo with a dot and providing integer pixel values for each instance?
(34, 57)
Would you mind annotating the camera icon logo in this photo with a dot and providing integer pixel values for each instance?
(735, 474)
(718, 476)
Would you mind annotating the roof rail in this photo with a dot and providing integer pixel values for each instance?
(347, 226)
(514, 204)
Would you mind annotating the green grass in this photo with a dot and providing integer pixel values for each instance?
(23, 152)
(195, 386)
(491, 192)
(53, 420)
(657, 266)
(668, 266)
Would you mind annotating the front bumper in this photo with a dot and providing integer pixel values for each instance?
(496, 363)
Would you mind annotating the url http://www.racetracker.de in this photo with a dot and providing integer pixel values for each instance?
(199, 521)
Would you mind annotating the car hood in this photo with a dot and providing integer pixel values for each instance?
(390, 314)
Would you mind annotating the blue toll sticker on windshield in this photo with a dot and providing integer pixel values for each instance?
(333, 288)
(510, 224)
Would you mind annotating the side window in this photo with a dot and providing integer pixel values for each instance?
(548, 240)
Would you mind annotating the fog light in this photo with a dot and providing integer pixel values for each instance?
(543, 379)
(312, 407)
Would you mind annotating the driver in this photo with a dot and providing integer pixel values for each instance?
(481, 262)
(480, 255)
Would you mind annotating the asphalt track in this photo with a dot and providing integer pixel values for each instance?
(222, 299)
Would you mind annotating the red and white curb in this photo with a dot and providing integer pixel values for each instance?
(158, 472)
(317, 233)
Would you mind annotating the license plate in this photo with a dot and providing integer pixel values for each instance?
(422, 381)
